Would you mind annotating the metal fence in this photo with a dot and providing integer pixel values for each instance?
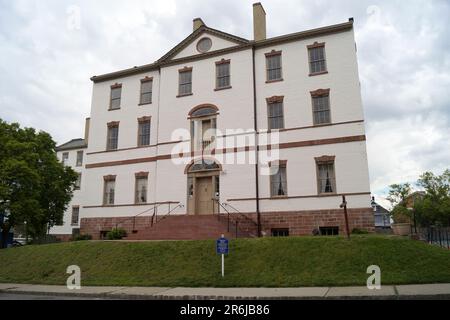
(438, 236)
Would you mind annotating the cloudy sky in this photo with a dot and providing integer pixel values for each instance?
(50, 48)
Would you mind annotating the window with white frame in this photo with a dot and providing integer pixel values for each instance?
(273, 66)
(109, 190)
(278, 180)
(185, 82)
(141, 188)
(223, 74)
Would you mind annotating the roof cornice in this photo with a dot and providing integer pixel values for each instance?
(244, 44)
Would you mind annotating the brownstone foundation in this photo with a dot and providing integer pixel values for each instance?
(299, 223)
(303, 223)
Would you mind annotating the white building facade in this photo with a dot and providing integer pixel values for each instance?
(272, 128)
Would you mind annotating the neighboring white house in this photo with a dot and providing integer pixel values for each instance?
(270, 127)
(72, 154)
(382, 216)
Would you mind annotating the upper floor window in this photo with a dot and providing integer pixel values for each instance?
(278, 179)
(144, 131)
(75, 215)
(65, 158)
(326, 180)
(78, 182)
(185, 82)
(203, 127)
(321, 106)
(317, 60)
(109, 190)
(113, 136)
(141, 187)
(275, 113)
(79, 158)
(223, 74)
(116, 95)
(273, 66)
(146, 91)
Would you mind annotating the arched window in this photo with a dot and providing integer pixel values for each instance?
(203, 112)
(203, 127)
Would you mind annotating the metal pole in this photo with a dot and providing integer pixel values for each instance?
(237, 222)
(223, 265)
(344, 202)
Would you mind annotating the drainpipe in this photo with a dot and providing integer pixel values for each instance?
(258, 213)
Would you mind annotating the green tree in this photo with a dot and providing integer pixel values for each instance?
(434, 207)
(35, 188)
(398, 193)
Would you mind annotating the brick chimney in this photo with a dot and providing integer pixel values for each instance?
(198, 22)
(259, 22)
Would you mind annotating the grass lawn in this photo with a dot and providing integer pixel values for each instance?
(268, 262)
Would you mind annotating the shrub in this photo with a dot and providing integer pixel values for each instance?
(400, 214)
(116, 234)
(82, 237)
(45, 239)
(359, 231)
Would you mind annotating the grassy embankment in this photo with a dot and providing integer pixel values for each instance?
(269, 262)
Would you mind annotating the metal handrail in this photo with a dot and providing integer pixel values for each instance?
(167, 215)
(241, 214)
(230, 214)
(155, 206)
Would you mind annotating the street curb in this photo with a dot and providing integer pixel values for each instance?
(161, 296)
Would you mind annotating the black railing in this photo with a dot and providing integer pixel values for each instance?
(170, 210)
(154, 208)
(236, 220)
(438, 236)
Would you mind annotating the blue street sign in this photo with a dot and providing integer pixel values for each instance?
(222, 246)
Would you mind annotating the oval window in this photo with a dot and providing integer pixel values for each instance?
(204, 45)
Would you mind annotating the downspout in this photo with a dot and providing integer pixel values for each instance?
(258, 213)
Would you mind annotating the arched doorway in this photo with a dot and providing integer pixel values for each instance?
(203, 186)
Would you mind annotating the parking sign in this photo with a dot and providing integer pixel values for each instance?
(222, 246)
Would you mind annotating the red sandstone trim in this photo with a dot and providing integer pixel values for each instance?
(231, 150)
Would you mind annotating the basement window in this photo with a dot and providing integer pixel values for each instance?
(280, 232)
(329, 231)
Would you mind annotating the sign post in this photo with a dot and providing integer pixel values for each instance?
(222, 249)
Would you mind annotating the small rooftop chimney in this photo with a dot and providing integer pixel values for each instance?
(198, 22)
(259, 22)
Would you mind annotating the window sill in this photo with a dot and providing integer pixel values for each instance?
(223, 88)
(318, 125)
(110, 109)
(184, 95)
(74, 224)
(328, 194)
(275, 80)
(275, 130)
(279, 197)
(318, 73)
(144, 104)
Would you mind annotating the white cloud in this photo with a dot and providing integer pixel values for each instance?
(403, 51)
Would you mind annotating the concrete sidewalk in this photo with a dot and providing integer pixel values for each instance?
(428, 291)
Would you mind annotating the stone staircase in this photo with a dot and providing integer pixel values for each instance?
(184, 227)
